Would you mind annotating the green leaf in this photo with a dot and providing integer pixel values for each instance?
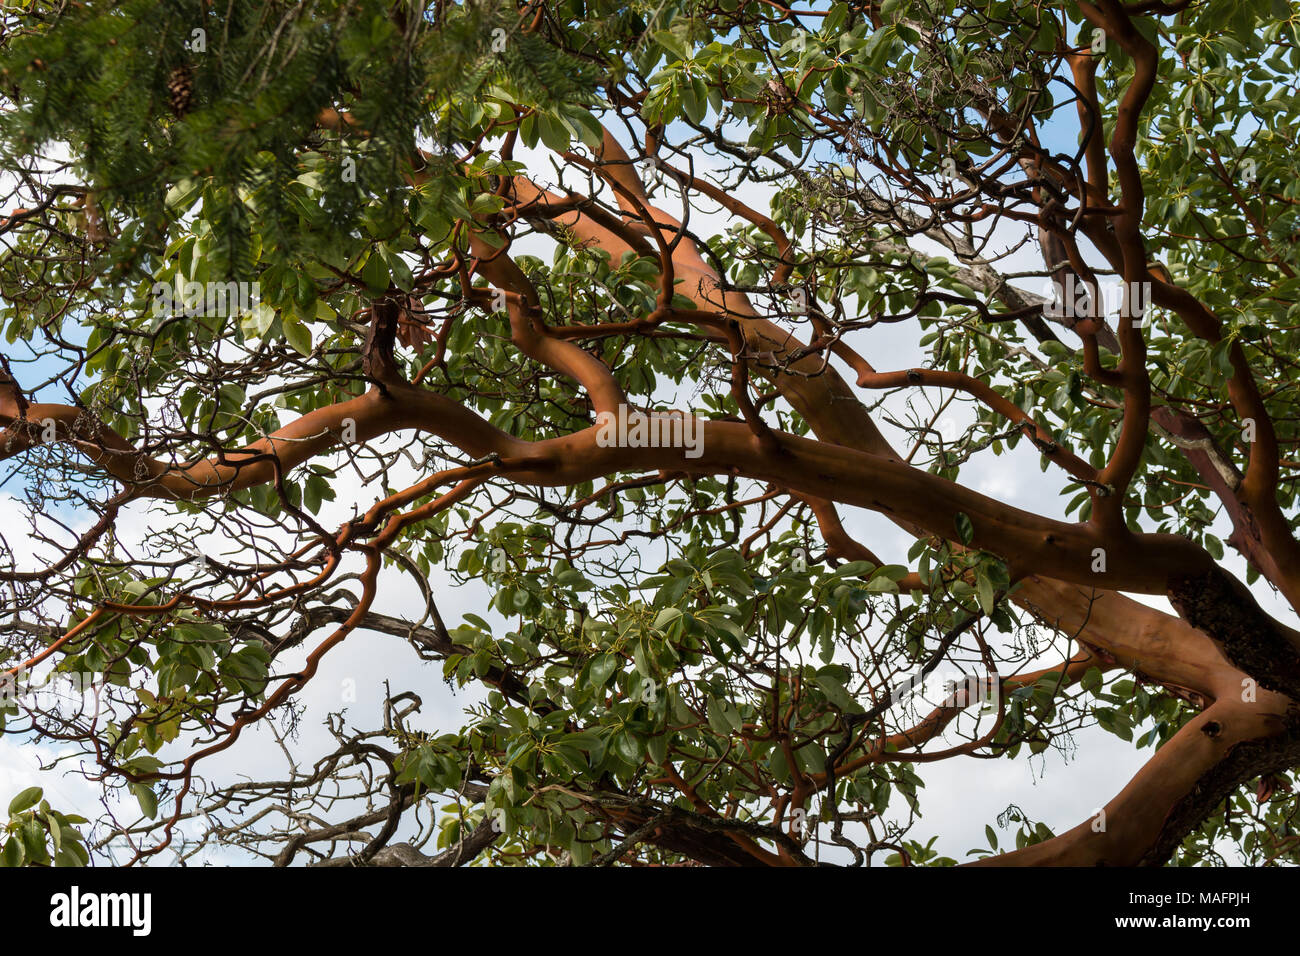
(296, 333)
(602, 667)
(673, 44)
(695, 100)
(658, 748)
(837, 695)
(147, 799)
(723, 719)
(375, 274)
(181, 196)
(56, 831)
(588, 126)
(1214, 546)
(666, 617)
(25, 800)
(627, 747)
(258, 319)
(1091, 680)
(71, 855)
(401, 272)
(555, 134)
(965, 530)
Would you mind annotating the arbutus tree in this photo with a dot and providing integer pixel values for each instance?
(317, 311)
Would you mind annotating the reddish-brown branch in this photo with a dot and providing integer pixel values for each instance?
(1145, 815)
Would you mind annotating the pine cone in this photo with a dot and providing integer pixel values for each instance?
(180, 89)
(412, 326)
